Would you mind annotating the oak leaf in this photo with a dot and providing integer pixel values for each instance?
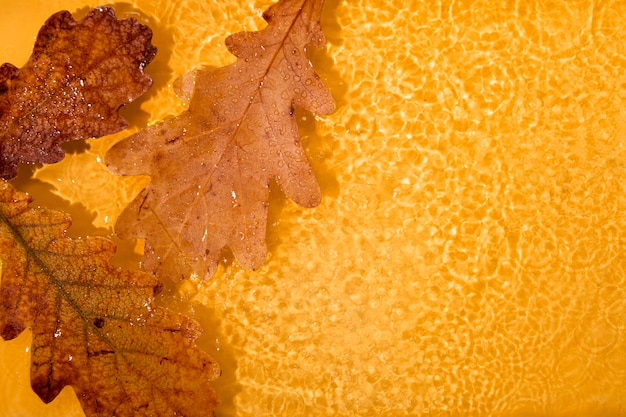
(77, 78)
(95, 327)
(211, 166)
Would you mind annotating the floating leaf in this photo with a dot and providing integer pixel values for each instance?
(212, 165)
(95, 327)
(77, 78)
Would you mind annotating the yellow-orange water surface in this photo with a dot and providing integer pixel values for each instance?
(469, 254)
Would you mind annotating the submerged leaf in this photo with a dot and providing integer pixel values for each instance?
(77, 78)
(212, 165)
(95, 326)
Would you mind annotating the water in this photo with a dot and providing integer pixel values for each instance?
(468, 254)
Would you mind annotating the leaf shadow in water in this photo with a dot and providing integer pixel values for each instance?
(82, 219)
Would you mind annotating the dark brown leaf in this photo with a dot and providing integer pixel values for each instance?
(211, 166)
(78, 76)
(95, 326)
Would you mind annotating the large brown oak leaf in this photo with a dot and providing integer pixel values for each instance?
(95, 327)
(77, 78)
(212, 165)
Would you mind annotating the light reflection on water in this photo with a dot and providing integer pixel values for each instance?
(468, 256)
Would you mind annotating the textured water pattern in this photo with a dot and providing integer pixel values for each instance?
(468, 257)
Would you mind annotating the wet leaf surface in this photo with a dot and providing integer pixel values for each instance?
(95, 327)
(77, 78)
(212, 165)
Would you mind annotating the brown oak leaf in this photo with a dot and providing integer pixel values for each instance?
(95, 327)
(77, 78)
(211, 166)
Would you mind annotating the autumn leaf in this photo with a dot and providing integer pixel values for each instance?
(77, 78)
(212, 165)
(95, 327)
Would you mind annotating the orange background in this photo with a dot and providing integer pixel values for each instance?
(468, 257)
